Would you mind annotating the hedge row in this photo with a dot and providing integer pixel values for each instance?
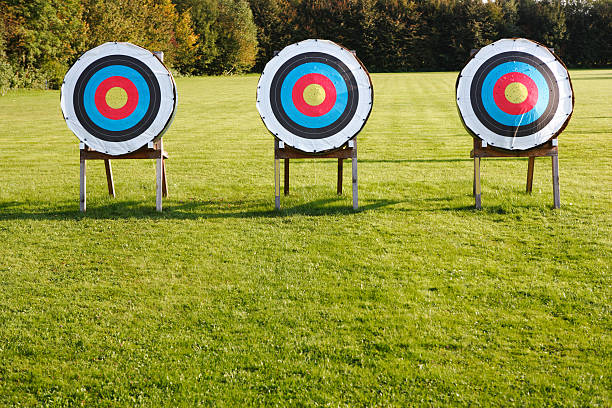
(40, 39)
(436, 35)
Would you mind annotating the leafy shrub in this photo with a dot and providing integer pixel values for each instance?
(54, 72)
(6, 75)
(40, 39)
(427, 35)
(227, 35)
(152, 24)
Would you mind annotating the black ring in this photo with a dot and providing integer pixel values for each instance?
(314, 133)
(494, 125)
(147, 119)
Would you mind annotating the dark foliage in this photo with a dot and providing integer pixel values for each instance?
(435, 35)
(39, 39)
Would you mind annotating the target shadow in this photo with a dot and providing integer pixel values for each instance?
(69, 210)
(414, 160)
(437, 204)
(196, 209)
(456, 204)
(261, 209)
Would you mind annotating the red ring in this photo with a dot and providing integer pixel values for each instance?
(499, 93)
(298, 94)
(124, 111)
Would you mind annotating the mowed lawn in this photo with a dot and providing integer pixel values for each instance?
(416, 299)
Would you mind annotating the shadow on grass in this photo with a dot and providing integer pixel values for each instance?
(593, 78)
(444, 204)
(219, 209)
(415, 160)
(195, 209)
(437, 204)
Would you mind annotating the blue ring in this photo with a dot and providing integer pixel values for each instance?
(514, 120)
(120, 124)
(314, 121)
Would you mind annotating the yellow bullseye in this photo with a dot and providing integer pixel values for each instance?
(516, 92)
(314, 94)
(116, 97)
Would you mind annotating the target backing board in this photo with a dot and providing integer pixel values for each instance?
(145, 111)
(314, 95)
(515, 94)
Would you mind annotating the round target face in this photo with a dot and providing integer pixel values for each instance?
(314, 95)
(515, 94)
(118, 97)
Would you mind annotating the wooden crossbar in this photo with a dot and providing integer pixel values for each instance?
(285, 153)
(153, 150)
(548, 149)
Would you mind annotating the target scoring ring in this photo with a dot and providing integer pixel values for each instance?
(149, 106)
(521, 123)
(514, 94)
(102, 93)
(318, 123)
(314, 95)
(319, 82)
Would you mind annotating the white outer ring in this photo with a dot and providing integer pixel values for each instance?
(167, 105)
(364, 104)
(561, 116)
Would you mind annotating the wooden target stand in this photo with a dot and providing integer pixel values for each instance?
(153, 150)
(281, 151)
(549, 149)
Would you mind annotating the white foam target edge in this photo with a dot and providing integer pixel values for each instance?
(167, 107)
(364, 105)
(564, 108)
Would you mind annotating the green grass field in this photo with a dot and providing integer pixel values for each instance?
(414, 300)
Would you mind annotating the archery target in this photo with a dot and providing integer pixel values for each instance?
(314, 95)
(515, 94)
(142, 115)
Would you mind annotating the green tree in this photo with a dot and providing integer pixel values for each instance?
(44, 37)
(543, 21)
(236, 39)
(508, 22)
(341, 21)
(6, 70)
(227, 35)
(601, 30)
(276, 27)
(589, 29)
(392, 36)
(152, 24)
(204, 14)
(39, 39)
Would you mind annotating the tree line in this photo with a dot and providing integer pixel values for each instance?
(40, 39)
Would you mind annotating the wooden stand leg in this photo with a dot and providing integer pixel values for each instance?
(340, 168)
(150, 151)
(477, 202)
(286, 153)
(277, 184)
(159, 184)
(83, 186)
(109, 178)
(555, 179)
(550, 149)
(286, 180)
(530, 167)
(354, 170)
(164, 180)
